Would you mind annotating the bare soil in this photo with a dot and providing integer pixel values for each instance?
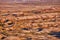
(29, 22)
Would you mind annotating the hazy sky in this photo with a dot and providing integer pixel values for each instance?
(28, 1)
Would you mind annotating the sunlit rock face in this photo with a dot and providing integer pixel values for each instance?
(29, 1)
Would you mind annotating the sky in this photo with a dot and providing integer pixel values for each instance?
(29, 1)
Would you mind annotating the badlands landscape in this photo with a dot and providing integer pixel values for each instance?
(29, 20)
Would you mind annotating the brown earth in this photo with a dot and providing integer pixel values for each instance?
(29, 22)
